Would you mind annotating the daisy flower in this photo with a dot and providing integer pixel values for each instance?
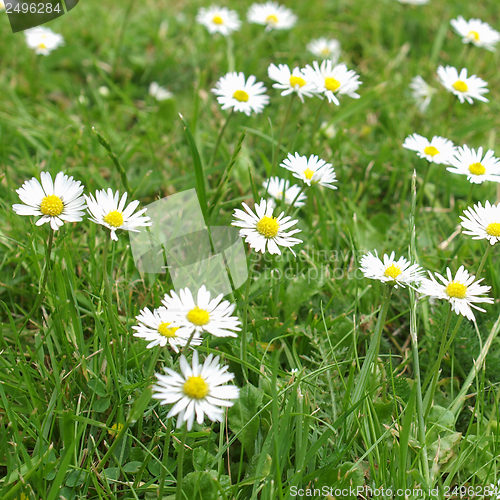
(155, 327)
(159, 93)
(43, 40)
(389, 270)
(57, 202)
(280, 189)
(326, 48)
(198, 390)
(482, 223)
(108, 209)
(312, 170)
(332, 80)
(291, 81)
(272, 15)
(438, 150)
(474, 165)
(421, 92)
(219, 20)
(201, 314)
(262, 231)
(477, 32)
(245, 96)
(461, 291)
(464, 87)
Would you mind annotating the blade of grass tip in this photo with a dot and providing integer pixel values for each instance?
(198, 168)
(116, 162)
(414, 334)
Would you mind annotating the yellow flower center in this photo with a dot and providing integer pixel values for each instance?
(195, 387)
(473, 34)
(268, 226)
(431, 151)
(308, 174)
(493, 229)
(325, 51)
(477, 169)
(41, 45)
(217, 20)
(297, 80)
(198, 317)
(392, 272)
(240, 95)
(455, 289)
(51, 205)
(460, 85)
(114, 218)
(166, 330)
(271, 19)
(331, 83)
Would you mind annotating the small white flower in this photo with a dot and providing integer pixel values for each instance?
(219, 20)
(389, 270)
(57, 202)
(477, 32)
(474, 165)
(272, 15)
(43, 40)
(155, 327)
(438, 150)
(107, 209)
(201, 314)
(294, 81)
(312, 170)
(159, 93)
(103, 91)
(333, 80)
(245, 96)
(262, 231)
(422, 92)
(482, 223)
(197, 391)
(280, 189)
(466, 88)
(325, 48)
(461, 291)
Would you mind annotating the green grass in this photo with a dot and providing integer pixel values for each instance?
(70, 368)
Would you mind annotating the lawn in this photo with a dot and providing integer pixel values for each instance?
(349, 386)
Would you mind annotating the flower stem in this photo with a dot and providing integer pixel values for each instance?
(219, 138)
(483, 261)
(43, 282)
(180, 464)
(276, 150)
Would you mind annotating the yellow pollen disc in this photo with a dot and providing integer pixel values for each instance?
(460, 85)
(195, 387)
(297, 80)
(392, 272)
(325, 51)
(51, 205)
(114, 218)
(271, 19)
(431, 151)
(268, 226)
(240, 95)
(473, 34)
(455, 289)
(217, 20)
(308, 174)
(198, 317)
(42, 46)
(331, 84)
(477, 169)
(493, 229)
(166, 330)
